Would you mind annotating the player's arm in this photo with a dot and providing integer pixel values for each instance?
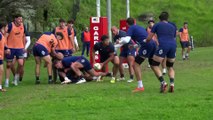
(27, 38)
(71, 38)
(150, 36)
(180, 33)
(112, 55)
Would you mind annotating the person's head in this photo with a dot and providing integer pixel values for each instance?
(62, 23)
(164, 16)
(18, 19)
(130, 21)
(151, 23)
(59, 36)
(105, 40)
(58, 64)
(70, 23)
(86, 29)
(185, 25)
(114, 30)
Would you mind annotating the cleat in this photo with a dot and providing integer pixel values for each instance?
(138, 90)
(163, 87)
(171, 89)
(82, 80)
(66, 82)
(15, 82)
(37, 82)
(121, 79)
(112, 80)
(130, 80)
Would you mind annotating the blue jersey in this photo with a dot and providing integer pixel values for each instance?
(67, 61)
(166, 32)
(138, 34)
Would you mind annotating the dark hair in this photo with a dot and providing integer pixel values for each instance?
(185, 23)
(60, 34)
(164, 16)
(151, 21)
(71, 21)
(2, 24)
(130, 21)
(17, 15)
(61, 20)
(104, 37)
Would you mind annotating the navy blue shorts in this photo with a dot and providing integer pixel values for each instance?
(18, 53)
(185, 44)
(40, 50)
(147, 51)
(66, 53)
(85, 63)
(1, 62)
(168, 51)
(128, 52)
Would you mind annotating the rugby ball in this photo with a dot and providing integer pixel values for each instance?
(97, 66)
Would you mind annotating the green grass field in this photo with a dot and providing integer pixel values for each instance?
(192, 99)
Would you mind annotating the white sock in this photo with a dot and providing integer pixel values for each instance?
(16, 76)
(187, 54)
(0, 87)
(164, 70)
(140, 84)
(184, 56)
(7, 81)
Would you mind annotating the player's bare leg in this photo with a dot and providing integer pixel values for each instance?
(48, 61)
(115, 68)
(131, 60)
(37, 69)
(121, 68)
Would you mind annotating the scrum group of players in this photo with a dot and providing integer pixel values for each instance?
(157, 44)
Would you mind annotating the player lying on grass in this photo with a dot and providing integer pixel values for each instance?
(107, 53)
(76, 64)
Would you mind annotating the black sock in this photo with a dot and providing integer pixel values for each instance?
(20, 78)
(171, 80)
(50, 77)
(131, 76)
(161, 79)
(37, 77)
(122, 75)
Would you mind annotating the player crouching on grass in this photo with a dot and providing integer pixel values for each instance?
(76, 64)
(43, 48)
(2, 52)
(107, 53)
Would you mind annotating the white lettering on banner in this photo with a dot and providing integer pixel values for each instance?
(95, 28)
(96, 38)
(96, 33)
